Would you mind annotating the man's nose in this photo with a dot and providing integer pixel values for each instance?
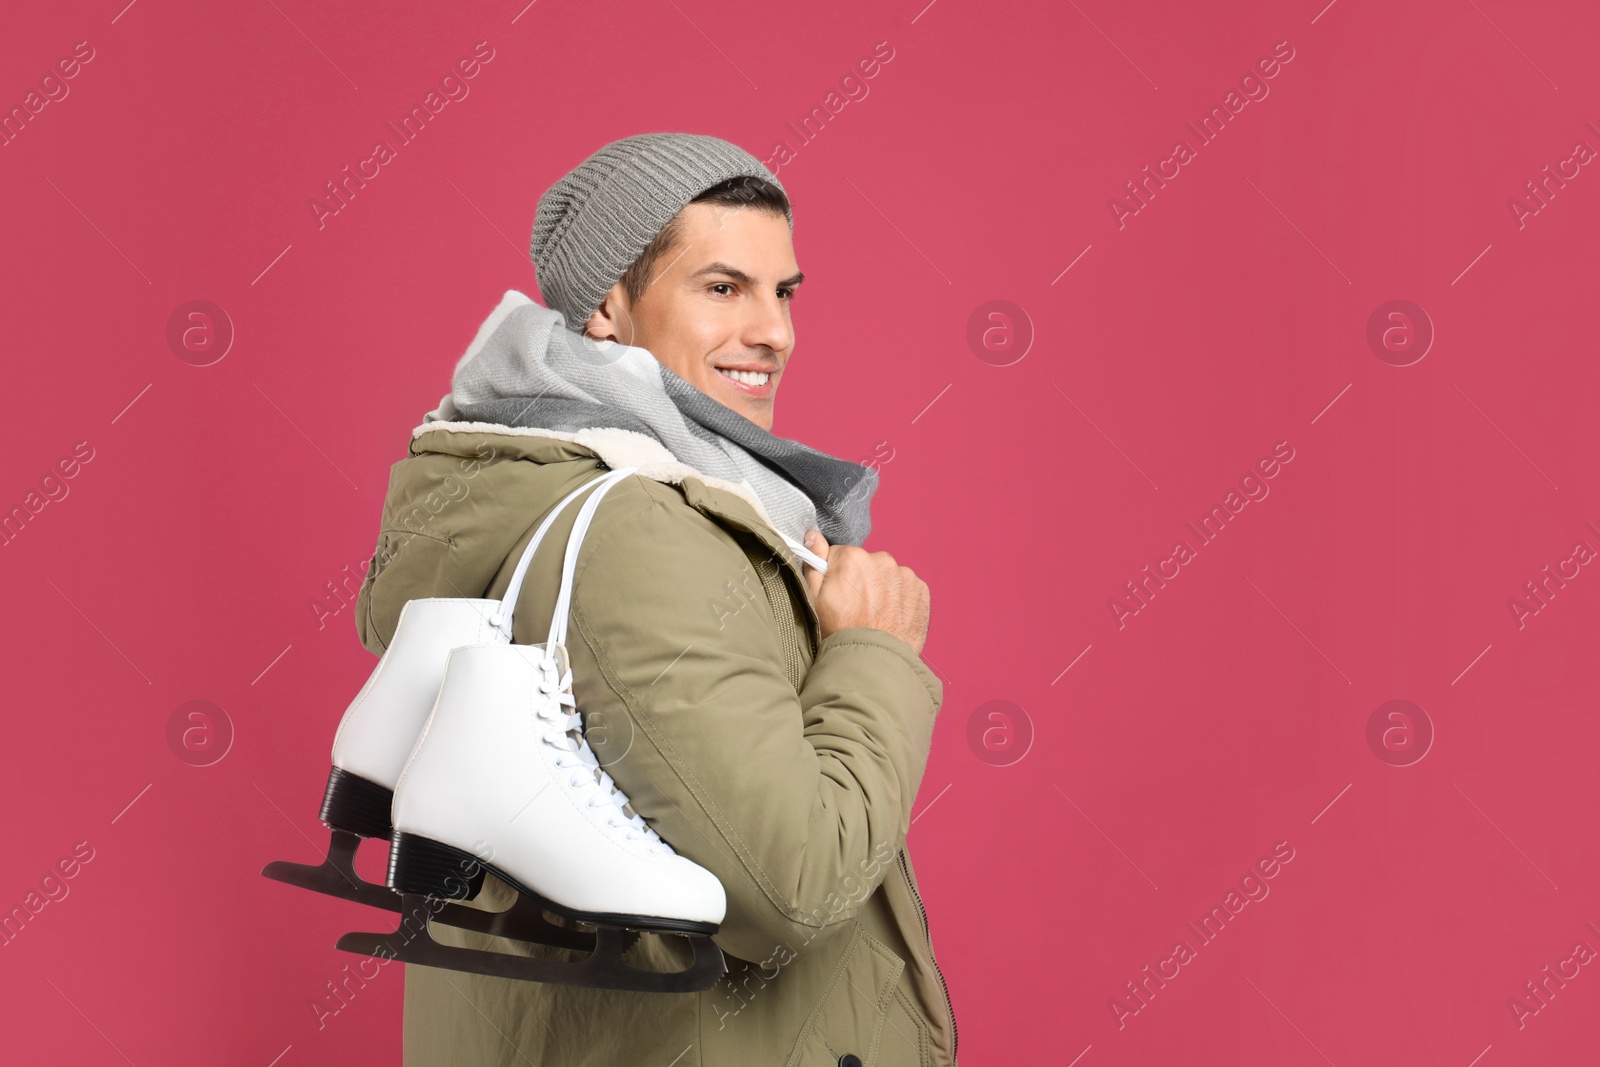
(768, 325)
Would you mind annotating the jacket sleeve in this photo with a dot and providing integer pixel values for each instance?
(798, 802)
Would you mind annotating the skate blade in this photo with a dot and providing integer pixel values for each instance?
(336, 875)
(603, 968)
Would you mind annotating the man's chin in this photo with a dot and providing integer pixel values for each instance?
(760, 414)
(757, 407)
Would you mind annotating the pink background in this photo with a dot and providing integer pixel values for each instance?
(1226, 716)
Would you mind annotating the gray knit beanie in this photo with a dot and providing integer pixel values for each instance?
(592, 224)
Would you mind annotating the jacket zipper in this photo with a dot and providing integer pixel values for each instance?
(955, 1031)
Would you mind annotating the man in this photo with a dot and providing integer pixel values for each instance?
(771, 723)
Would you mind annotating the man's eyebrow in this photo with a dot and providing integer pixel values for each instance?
(744, 279)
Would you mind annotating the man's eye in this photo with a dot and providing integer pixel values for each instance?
(722, 285)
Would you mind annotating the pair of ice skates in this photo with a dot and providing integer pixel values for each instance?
(461, 749)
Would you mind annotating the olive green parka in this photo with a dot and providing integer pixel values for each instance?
(784, 762)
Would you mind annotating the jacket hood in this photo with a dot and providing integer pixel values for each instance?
(467, 493)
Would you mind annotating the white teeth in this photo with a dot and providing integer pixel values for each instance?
(748, 377)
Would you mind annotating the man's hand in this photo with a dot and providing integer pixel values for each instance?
(865, 588)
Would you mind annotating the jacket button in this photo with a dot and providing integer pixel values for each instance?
(849, 1059)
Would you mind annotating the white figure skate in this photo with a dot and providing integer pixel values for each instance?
(503, 782)
(381, 727)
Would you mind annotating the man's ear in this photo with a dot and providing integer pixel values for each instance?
(612, 321)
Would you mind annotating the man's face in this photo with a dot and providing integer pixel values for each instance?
(717, 303)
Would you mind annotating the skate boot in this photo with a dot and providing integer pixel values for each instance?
(502, 782)
(381, 726)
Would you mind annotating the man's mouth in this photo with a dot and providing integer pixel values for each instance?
(746, 377)
(755, 383)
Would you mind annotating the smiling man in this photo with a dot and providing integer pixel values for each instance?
(710, 295)
(768, 718)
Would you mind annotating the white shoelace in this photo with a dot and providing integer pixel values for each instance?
(565, 733)
(805, 553)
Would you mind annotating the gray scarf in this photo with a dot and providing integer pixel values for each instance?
(525, 368)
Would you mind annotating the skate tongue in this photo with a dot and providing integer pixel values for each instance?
(627, 807)
(580, 744)
(598, 773)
